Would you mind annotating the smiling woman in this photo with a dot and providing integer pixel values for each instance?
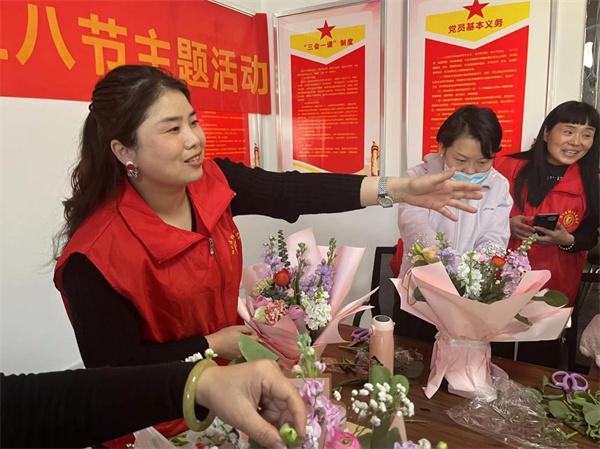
(150, 257)
(558, 175)
(168, 156)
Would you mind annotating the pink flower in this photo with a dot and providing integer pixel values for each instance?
(343, 440)
(274, 311)
(295, 312)
(261, 301)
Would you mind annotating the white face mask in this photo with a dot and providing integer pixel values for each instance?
(475, 178)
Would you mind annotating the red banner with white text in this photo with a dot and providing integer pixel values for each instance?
(227, 135)
(328, 116)
(59, 49)
(492, 75)
(476, 54)
(329, 64)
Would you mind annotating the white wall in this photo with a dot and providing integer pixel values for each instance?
(38, 140)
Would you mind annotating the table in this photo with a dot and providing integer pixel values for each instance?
(438, 425)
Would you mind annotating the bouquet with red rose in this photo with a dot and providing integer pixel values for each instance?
(484, 295)
(302, 292)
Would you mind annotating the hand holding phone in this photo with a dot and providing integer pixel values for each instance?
(547, 221)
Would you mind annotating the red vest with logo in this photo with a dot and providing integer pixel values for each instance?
(181, 283)
(567, 198)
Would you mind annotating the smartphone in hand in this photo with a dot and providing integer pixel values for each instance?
(547, 221)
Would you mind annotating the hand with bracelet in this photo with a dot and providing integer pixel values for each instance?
(559, 236)
(87, 406)
(252, 397)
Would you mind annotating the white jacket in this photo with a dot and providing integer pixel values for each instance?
(489, 224)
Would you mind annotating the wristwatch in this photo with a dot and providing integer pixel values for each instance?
(383, 198)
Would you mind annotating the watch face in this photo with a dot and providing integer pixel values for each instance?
(385, 201)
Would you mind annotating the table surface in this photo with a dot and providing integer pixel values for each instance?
(437, 424)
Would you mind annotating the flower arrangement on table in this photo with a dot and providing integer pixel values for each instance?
(483, 295)
(300, 292)
(378, 409)
(375, 408)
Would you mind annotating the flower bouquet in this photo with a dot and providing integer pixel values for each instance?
(483, 295)
(301, 292)
(378, 410)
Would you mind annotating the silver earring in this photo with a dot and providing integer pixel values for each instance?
(132, 170)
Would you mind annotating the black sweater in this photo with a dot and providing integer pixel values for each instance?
(106, 324)
(84, 407)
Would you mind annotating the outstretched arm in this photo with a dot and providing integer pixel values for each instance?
(435, 191)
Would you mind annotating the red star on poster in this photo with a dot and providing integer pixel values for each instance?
(476, 9)
(326, 30)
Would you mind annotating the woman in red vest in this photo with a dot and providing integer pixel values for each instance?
(558, 175)
(150, 257)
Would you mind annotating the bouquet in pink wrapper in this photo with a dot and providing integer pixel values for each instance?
(488, 294)
(299, 288)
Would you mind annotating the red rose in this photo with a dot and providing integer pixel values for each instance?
(282, 277)
(498, 261)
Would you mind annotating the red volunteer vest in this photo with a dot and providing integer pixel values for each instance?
(181, 283)
(566, 198)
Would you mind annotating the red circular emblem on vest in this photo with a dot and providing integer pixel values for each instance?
(569, 218)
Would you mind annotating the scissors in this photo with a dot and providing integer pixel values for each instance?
(569, 382)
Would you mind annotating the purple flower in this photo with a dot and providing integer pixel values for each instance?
(512, 271)
(361, 334)
(324, 274)
(310, 390)
(449, 258)
(321, 366)
(407, 445)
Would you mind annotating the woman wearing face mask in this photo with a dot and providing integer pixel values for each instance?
(558, 175)
(468, 140)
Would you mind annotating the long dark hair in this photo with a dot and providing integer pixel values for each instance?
(536, 171)
(120, 102)
(479, 123)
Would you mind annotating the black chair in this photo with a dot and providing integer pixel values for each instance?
(584, 310)
(383, 299)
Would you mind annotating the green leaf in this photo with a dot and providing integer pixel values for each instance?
(534, 393)
(253, 350)
(420, 263)
(393, 435)
(418, 295)
(523, 319)
(379, 374)
(591, 412)
(379, 438)
(578, 400)
(399, 379)
(553, 298)
(365, 440)
(545, 382)
(554, 396)
(558, 409)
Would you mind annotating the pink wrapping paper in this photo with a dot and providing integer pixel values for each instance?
(461, 352)
(281, 337)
